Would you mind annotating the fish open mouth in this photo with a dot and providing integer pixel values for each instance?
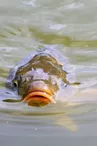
(38, 98)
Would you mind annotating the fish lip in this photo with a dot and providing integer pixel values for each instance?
(39, 97)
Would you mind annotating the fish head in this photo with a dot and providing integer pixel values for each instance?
(38, 80)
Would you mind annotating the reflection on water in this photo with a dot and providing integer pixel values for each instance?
(69, 26)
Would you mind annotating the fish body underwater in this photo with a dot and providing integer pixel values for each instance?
(38, 78)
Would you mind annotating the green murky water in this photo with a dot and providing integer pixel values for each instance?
(71, 27)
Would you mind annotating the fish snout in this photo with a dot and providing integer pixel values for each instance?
(39, 94)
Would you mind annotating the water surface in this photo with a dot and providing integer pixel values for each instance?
(71, 27)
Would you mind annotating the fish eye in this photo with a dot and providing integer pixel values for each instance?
(15, 83)
(63, 85)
